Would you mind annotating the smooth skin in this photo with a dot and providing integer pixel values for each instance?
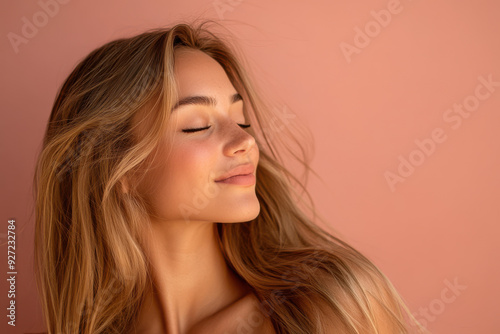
(194, 289)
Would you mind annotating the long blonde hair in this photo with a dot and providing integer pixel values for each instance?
(92, 273)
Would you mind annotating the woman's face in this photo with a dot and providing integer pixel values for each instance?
(190, 176)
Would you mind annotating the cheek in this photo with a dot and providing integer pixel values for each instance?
(190, 163)
(180, 175)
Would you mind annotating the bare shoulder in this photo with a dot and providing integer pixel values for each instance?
(243, 316)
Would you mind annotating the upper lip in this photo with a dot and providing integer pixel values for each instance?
(243, 169)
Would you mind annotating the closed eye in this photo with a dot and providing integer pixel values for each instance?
(244, 126)
(196, 129)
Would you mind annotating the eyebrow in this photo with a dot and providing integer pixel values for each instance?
(204, 100)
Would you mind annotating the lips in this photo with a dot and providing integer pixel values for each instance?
(241, 175)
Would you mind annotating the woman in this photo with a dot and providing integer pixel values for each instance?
(163, 207)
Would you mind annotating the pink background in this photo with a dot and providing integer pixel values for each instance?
(437, 228)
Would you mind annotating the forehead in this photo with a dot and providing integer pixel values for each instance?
(197, 73)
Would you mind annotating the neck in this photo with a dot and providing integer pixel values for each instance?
(191, 280)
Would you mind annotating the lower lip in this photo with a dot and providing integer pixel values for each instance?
(240, 180)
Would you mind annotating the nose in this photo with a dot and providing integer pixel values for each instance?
(239, 141)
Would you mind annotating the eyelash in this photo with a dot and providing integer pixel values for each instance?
(244, 126)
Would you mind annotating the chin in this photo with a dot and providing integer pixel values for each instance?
(243, 214)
